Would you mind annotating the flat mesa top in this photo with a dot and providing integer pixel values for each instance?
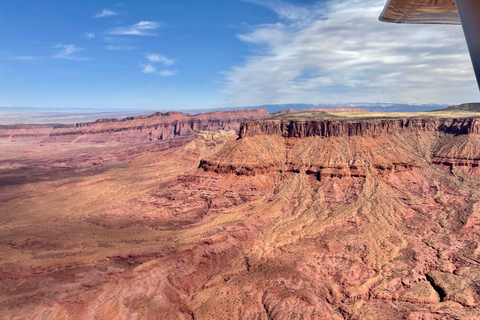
(320, 115)
(420, 12)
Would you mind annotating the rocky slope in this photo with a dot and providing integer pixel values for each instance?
(474, 106)
(364, 219)
(155, 127)
(50, 152)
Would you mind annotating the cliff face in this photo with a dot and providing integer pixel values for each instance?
(52, 152)
(24, 131)
(459, 153)
(453, 146)
(154, 127)
(364, 128)
(344, 223)
(321, 158)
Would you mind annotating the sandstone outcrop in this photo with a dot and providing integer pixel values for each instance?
(52, 152)
(459, 153)
(457, 150)
(314, 156)
(327, 219)
(364, 128)
(155, 127)
(329, 109)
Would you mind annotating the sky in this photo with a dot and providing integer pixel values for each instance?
(187, 54)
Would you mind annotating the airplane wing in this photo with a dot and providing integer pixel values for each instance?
(463, 12)
(420, 12)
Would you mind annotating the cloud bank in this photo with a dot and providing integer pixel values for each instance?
(167, 73)
(142, 28)
(68, 52)
(105, 13)
(154, 59)
(338, 51)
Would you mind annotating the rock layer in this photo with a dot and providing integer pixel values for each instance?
(269, 226)
(155, 127)
(364, 128)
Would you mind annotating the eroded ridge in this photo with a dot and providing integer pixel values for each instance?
(364, 128)
(268, 226)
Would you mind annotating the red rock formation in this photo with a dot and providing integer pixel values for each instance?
(326, 157)
(330, 109)
(155, 127)
(364, 128)
(460, 154)
(160, 126)
(350, 220)
(89, 148)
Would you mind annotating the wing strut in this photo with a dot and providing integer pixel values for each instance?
(464, 12)
(469, 12)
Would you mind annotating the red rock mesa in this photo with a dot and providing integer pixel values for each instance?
(305, 216)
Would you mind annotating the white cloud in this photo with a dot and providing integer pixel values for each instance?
(167, 73)
(143, 28)
(154, 58)
(67, 52)
(105, 13)
(120, 48)
(286, 10)
(112, 39)
(338, 51)
(24, 58)
(90, 35)
(149, 69)
(21, 58)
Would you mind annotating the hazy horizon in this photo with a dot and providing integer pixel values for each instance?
(28, 115)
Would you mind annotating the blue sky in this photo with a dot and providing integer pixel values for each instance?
(184, 54)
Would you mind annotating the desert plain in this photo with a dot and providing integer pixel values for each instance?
(332, 214)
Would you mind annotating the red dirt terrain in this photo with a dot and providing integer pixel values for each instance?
(32, 153)
(310, 217)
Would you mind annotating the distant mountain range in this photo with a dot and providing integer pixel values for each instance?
(32, 115)
(378, 107)
(28, 115)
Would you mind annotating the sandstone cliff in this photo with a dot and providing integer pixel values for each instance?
(155, 127)
(375, 219)
(364, 128)
(457, 150)
(50, 152)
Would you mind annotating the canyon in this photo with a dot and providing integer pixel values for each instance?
(331, 214)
